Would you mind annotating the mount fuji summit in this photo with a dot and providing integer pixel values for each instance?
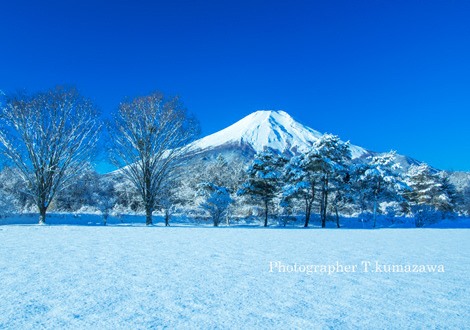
(265, 129)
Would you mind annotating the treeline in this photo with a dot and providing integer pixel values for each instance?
(326, 181)
(48, 140)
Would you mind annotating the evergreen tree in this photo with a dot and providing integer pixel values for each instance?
(331, 159)
(342, 194)
(380, 180)
(263, 181)
(431, 192)
(466, 200)
(447, 205)
(301, 179)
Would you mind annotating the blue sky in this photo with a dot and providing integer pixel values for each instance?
(382, 74)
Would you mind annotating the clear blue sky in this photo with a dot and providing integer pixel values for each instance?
(382, 74)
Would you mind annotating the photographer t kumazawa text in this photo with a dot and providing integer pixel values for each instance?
(365, 266)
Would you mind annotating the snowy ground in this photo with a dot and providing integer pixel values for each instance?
(137, 277)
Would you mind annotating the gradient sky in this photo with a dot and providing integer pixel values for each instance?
(382, 74)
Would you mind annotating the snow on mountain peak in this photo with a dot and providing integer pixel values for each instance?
(274, 129)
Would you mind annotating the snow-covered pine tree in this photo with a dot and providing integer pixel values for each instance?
(333, 157)
(264, 177)
(301, 178)
(342, 193)
(379, 180)
(431, 192)
(465, 201)
(384, 180)
(361, 189)
(447, 206)
(423, 183)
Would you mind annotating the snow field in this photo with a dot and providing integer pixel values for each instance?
(83, 277)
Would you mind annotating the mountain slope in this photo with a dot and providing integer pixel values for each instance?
(266, 129)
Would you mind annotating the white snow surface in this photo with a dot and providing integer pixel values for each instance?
(136, 277)
(267, 128)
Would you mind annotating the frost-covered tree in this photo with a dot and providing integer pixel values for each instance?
(218, 171)
(80, 193)
(104, 198)
(379, 180)
(263, 182)
(465, 200)
(128, 199)
(150, 136)
(332, 158)
(301, 177)
(361, 189)
(216, 201)
(218, 180)
(48, 137)
(8, 204)
(449, 204)
(13, 190)
(168, 196)
(430, 191)
(341, 192)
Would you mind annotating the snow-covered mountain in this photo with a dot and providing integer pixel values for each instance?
(264, 129)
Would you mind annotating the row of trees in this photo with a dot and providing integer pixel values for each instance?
(50, 137)
(327, 178)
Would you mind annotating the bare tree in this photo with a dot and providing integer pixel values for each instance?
(150, 136)
(49, 137)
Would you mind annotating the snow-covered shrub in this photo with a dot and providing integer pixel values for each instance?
(216, 202)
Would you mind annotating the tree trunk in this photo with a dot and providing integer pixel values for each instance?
(216, 218)
(42, 215)
(322, 206)
(266, 213)
(324, 203)
(376, 197)
(337, 218)
(308, 211)
(167, 218)
(148, 217)
(309, 203)
(375, 210)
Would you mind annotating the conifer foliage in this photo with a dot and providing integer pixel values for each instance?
(430, 193)
(264, 180)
